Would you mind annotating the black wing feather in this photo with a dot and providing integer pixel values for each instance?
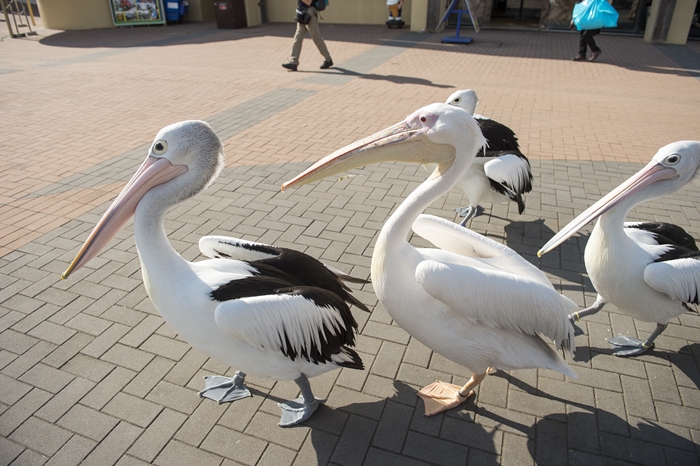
(668, 233)
(499, 136)
(333, 341)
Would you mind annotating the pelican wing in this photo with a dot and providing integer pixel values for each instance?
(500, 300)
(454, 238)
(498, 135)
(677, 278)
(217, 247)
(511, 172)
(305, 322)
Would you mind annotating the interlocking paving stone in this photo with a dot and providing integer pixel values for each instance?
(95, 344)
(88, 422)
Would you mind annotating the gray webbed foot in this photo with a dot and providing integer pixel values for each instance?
(225, 389)
(297, 411)
(577, 330)
(468, 213)
(624, 346)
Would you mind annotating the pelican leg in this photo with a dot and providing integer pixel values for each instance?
(469, 213)
(441, 396)
(625, 346)
(300, 409)
(225, 389)
(576, 316)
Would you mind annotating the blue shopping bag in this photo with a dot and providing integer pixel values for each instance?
(594, 14)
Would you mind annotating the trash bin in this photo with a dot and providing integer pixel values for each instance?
(175, 10)
(230, 14)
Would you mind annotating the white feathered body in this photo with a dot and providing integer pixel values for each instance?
(485, 329)
(621, 265)
(183, 297)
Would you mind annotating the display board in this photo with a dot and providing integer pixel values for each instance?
(135, 12)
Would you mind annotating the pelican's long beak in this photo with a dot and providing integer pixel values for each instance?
(399, 142)
(153, 172)
(653, 172)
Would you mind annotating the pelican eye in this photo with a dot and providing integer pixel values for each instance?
(423, 119)
(672, 159)
(457, 100)
(160, 147)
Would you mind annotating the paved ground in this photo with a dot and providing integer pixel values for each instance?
(91, 374)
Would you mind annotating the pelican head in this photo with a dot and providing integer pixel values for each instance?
(436, 133)
(183, 160)
(465, 99)
(672, 167)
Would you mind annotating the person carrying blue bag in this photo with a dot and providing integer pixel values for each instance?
(589, 16)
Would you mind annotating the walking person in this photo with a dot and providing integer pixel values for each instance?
(307, 19)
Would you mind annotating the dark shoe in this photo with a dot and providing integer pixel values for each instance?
(576, 58)
(290, 66)
(326, 64)
(595, 55)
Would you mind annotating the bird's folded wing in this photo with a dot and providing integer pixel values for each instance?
(216, 247)
(511, 171)
(678, 278)
(304, 323)
(454, 238)
(498, 299)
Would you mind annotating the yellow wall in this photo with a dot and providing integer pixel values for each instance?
(199, 10)
(88, 14)
(338, 11)
(75, 14)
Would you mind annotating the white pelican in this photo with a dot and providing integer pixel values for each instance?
(499, 173)
(648, 271)
(473, 300)
(283, 317)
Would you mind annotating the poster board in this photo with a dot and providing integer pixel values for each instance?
(137, 12)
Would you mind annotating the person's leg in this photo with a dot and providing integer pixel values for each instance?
(298, 41)
(582, 44)
(315, 32)
(595, 50)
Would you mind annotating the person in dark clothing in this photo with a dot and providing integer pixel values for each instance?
(587, 41)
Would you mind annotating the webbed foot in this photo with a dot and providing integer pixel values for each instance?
(577, 330)
(225, 389)
(469, 213)
(296, 411)
(624, 346)
(440, 396)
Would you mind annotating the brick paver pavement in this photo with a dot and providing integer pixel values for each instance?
(91, 374)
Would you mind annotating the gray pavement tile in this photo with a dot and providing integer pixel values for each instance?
(40, 436)
(132, 409)
(72, 452)
(234, 445)
(65, 400)
(157, 435)
(114, 445)
(88, 422)
(354, 442)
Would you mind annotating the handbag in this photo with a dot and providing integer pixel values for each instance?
(594, 14)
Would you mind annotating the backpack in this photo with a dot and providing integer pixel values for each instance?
(321, 5)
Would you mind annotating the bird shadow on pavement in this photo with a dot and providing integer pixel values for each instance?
(584, 434)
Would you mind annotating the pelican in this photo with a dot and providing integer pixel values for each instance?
(649, 271)
(283, 316)
(472, 300)
(500, 173)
